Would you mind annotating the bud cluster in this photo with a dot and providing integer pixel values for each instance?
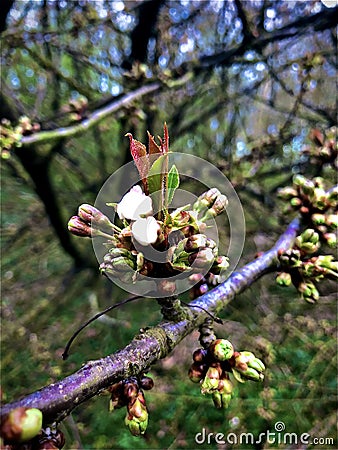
(302, 269)
(179, 234)
(129, 393)
(212, 368)
(324, 149)
(10, 136)
(317, 206)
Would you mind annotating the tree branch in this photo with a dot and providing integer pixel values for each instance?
(319, 21)
(93, 119)
(57, 400)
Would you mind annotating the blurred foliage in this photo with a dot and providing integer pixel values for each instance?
(243, 83)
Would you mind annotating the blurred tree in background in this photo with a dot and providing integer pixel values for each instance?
(241, 84)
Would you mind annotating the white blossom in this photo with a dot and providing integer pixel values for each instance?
(145, 230)
(134, 204)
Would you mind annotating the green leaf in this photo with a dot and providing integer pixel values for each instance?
(155, 182)
(173, 183)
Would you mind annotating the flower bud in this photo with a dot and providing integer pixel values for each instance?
(308, 291)
(94, 217)
(283, 279)
(221, 349)
(197, 371)
(137, 416)
(318, 219)
(221, 263)
(21, 424)
(79, 228)
(202, 259)
(332, 196)
(221, 401)
(332, 220)
(295, 202)
(287, 193)
(308, 187)
(206, 199)
(195, 242)
(299, 180)
(166, 287)
(211, 380)
(331, 239)
(248, 367)
(199, 355)
(309, 235)
(136, 425)
(146, 383)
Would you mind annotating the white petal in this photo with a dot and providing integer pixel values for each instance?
(134, 204)
(145, 230)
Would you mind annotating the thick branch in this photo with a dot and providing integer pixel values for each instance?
(59, 399)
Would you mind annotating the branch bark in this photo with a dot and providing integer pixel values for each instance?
(58, 399)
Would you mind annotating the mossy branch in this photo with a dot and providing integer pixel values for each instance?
(58, 399)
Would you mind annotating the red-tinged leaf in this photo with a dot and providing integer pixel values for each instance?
(139, 153)
(153, 148)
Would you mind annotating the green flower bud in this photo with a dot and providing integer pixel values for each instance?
(319, 198)
(22, 424)
(308, 291)
(31, 424)
(318, 219)
(251, 374)
(136, 426)
(309, 235)
(332, 220)
(249, 367)
(295, 202)
(308, 187)
(137, 416)
(221, 401)
(287, 193)
(211, 380)
(123, 264)
(299, 180)
(116, 252)
(331, 239)
(332, 196)
(221, 349)
(283, 279)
